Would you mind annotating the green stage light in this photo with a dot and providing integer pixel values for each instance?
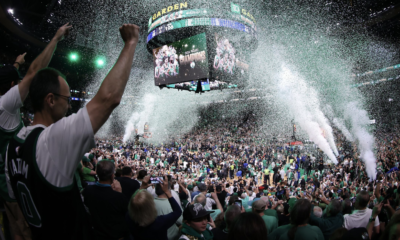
(73, 57)
(100, 62)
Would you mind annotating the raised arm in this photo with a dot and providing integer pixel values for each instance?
(111, 90)
(42, 61)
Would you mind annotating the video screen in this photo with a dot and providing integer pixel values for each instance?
(181, 61)
(230, 61)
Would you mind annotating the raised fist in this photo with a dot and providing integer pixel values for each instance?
(129, 33)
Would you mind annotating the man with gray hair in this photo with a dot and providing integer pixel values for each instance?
(332, 220)
(317, 212)
(108, 222)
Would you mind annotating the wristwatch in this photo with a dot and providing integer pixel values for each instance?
(371, 219)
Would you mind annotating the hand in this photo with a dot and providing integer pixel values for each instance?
(116, 186)
(164, 187)
(146, 182)
(211, 222)
(62, 32)
(377, 209)
(129, 33)
(21, 59)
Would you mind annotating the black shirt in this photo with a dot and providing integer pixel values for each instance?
(221, 197)
(283, 220)
(107, 209)
(129, 186)
(219, 234)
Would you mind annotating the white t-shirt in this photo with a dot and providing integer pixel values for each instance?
(359, 218)
(61, 146)
(10, 103)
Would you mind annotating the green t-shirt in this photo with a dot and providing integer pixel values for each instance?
(270, 222)
(86, 175)
(307, 232)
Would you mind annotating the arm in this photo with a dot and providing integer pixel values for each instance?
(219, 206)
(42, 61)
(375, 213)
(110, 93)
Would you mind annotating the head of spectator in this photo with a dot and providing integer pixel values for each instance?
(299, 215)
(333, 208)
(230, 215)
(201, 199)
(141, 175)
(218, 188)
(159, 192)
(9, 77)
(232, 200)
(202, 187)
(142, 208)
(259, 207)
(248, 225)
(50, 95)
(195, 219)
(317, 212)
(126, 172)
(280, 209)
(105, 172)
(362, 200)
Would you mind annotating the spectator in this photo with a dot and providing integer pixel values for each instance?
(248, 226)
(55, 144)
(141, 175)
(129, 186)
(221, 193)
(142, 218)
(332, 220)
(299, 228)
(87, 172)
(360, 218)
(107, 205)
(195, 219)
(270, 222)
(163, 208)
(12, 96)
(283, 214)
(230, 214)
(392, 229)
(317, 211)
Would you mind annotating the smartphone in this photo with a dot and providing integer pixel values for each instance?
(239, 203)
(155, 180)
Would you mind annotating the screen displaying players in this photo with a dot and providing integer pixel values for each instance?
(181, 61)
(229, 59)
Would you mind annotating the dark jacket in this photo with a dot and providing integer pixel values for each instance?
(158, 229)
(327, 224)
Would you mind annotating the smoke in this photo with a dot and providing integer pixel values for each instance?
(138, 119)
(303, 108)
(359, 120)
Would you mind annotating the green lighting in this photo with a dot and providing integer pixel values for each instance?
(73, 57)
(100, 62)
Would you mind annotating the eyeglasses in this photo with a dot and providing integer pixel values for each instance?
(65, 97)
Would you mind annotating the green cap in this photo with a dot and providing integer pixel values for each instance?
(190, 186)
(85, 159)
(91, 156)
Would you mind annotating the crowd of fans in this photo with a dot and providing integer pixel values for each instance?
(223, 181)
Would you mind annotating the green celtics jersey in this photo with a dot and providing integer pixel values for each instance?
(5, 137)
